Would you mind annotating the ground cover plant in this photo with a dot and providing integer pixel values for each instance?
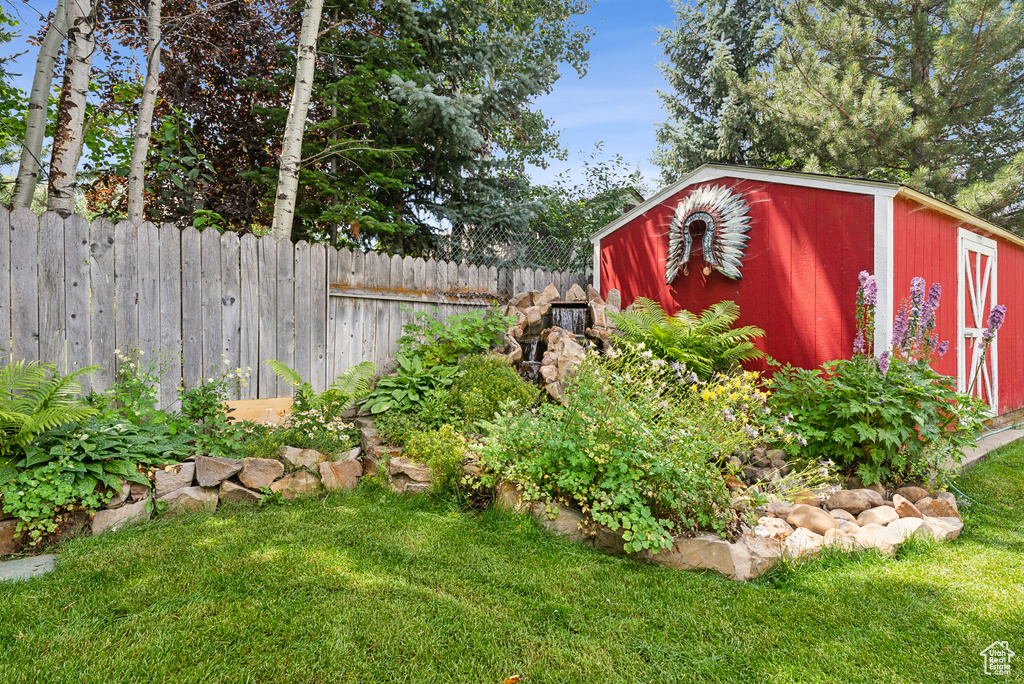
(889, 418)
(371, 587)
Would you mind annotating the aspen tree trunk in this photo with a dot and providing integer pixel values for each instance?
(291, 144)
(144, 124)
(67, 138)
(35, 120)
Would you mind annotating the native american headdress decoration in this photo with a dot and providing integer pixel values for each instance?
(725, 218)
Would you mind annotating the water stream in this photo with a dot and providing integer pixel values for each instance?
(572, 317)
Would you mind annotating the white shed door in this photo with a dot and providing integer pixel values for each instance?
(976, 293)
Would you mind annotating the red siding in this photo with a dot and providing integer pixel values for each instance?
(925, 243)
(799, 276)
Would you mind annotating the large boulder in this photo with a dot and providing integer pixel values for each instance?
(812, 518)
(296, 485)
(854, 502)
(235, 493)
(114, 519)
(875, 536)
(575, 294)
(905, 527)
(418, 472)
(508, 496)
(841, 514)
(191, 499)
(937, 508)
(561, 520)
(711, 552)
(301, 458)
(258, 473)
(873, 496)
(172, 477)
(211, 471)
(847, 526)
(879, 515)
(942, 529)
(340, 475)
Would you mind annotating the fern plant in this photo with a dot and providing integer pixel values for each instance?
(705, 343)
(35, 398)
(351, 385)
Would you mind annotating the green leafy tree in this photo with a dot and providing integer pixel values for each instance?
(929, 94)
(12, 101)
(714, 47)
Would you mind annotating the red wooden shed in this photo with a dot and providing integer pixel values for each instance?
(801, 240)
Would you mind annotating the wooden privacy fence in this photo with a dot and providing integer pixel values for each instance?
(198, 303)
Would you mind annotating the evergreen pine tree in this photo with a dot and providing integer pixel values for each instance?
(925, 93)
(713, 48)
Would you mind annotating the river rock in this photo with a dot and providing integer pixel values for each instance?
(549, 294)
(120, 497)
(905, 527)
(340, 475)
(710, 552)
(948, 497)
(844, 499)
(847, 526)
(772, 528)
(811, 517)
(874, 498)
(875, 536)
(841, 514)
(803, 542)
(904, 508)
(613, 301)
(235, 493)
(172, 477)
(912, 494)
(418, 472)
(114, 519)
(258, 473)
(838, 538)
(211, 471)
(937, 508)
(879, 515)
(508, 496)
(191, 499)
(942, 529)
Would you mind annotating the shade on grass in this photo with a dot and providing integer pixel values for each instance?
(372, 588)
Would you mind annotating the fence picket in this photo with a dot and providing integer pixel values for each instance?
(170, 315)
(230, 300)
(303, 307)
(24, 236)
(5, 286)
(211, 301)
(149, 290)
(249, 314)
(318, 318)
(76, 296)
(285, 311)
(51, 290)
(267, 248)
(191, 307)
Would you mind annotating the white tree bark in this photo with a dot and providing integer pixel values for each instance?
(35, 120)
(144, 124)
(67, 138)
(291, 144)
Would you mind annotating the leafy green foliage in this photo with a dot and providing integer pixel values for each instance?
(396, 427)
(206, 415)
(443, 341)
(263, 442)
(70, 467)
(884, 427)
(636, 447)
(411, 386)
(350, 386)
(705, 344)
(485, 384)
(443, 450)
(33, 399)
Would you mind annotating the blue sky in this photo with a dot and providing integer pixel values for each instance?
(615, 102)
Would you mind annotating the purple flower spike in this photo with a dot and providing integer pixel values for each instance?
(942, 348)
(934, 295)
(868, 289)
(883, 362)
(899, 328)
(917, 291)
(858, 343)
(996, 316)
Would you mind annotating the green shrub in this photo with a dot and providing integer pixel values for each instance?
(886, 419)
(486, 384)
(637, 446)
(442, 342)
(396, 427)
(443, 450)
(205, 414)
(705, 344)
(411, 387)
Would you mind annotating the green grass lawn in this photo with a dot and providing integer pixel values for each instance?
(371, 588)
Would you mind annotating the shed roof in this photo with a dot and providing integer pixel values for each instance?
(862, 186)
